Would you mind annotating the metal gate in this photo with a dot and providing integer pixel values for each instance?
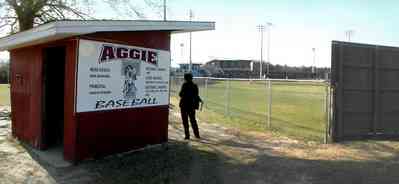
(365, 79)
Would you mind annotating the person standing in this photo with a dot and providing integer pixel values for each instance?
(189, 102)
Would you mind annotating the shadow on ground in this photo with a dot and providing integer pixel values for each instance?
(217, 158)
(227, 161)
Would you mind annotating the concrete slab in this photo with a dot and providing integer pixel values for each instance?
(53, 157)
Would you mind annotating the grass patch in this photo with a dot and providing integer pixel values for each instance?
(4, 94)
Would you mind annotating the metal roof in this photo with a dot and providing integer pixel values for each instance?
(62, 29)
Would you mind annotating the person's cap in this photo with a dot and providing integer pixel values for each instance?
(188, 76)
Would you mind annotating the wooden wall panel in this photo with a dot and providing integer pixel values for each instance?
(149, 39)
(70, 126)
(26, 89)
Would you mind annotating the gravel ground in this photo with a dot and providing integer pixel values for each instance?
(222, 156)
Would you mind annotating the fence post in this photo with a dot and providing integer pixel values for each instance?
(177, 85)
(269, 117)
(324, 98)
(171, 86)
(227, 98)
(326, 113)
(206, 92)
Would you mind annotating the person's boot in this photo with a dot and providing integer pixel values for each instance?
(186, 133)
(196, 132)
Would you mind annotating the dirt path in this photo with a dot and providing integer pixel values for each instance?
(223, 156)
(253, 157)
(16, 165)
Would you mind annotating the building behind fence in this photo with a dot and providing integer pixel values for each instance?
(249, 69)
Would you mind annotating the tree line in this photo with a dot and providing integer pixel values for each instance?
(298, 72)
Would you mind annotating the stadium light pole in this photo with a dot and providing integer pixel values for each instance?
(181, 50)
(261, 29)
(269, 25)
(8, 72)
(314, 61)
(191, 14)
(349, 34)
(164, 10)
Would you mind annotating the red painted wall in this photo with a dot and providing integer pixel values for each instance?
(149, 39)
(107, 132)
(26, 90)
(70, 123)
(88, 134)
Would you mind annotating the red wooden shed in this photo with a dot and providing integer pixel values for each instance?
(94, 87)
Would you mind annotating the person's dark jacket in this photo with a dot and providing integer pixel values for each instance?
(189, 98)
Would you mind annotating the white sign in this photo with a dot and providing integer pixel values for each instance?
(114, 76)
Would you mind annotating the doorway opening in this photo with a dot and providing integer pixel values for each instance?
(53, 96)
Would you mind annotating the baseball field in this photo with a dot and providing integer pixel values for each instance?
(297, 108)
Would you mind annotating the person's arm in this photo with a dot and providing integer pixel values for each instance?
(182, 90)
(196, 93)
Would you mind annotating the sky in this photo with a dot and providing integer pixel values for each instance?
(298, 26)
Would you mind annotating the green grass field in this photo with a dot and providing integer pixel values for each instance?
(4, 94)
(297, 108)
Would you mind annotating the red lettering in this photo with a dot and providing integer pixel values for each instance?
(122, 52)
(152, 57)
(144, 55)
(107, 53)
(134, 54)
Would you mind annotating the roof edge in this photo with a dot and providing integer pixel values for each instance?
(62, 29)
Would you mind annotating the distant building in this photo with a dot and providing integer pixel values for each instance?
(232, 68)
(250, 69)
(231, 65)
(196, 68)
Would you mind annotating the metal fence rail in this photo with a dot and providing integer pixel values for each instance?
(299, 108)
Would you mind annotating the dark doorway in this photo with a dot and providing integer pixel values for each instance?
(53, 96)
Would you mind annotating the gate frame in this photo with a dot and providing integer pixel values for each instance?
(336, 129)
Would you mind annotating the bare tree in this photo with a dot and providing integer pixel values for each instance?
(128, 8)
(20, 15)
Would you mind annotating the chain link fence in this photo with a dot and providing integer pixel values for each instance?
(295, 108)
